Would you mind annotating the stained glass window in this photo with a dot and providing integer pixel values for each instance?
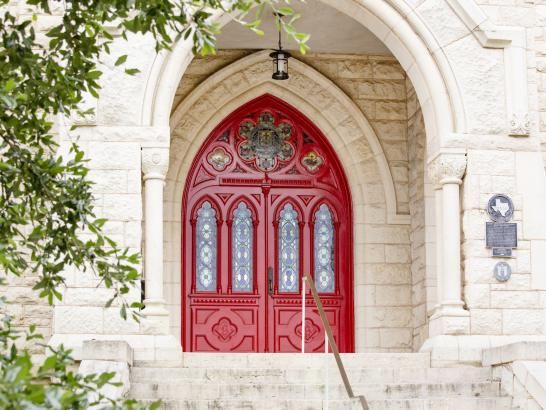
(242, 249)
(265, 142)
(288, 249)
(206, 248)
(324, 250)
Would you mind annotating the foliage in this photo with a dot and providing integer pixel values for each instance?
(47, 220)
(52, 384)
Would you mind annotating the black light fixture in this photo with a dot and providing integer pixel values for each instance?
(280, 59)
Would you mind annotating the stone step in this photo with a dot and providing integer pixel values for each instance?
(212, 391)
(316, 376)
(499, 403)
(294, 360)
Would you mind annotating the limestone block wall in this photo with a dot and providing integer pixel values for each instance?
(377, 85)
(416, 168)
(538, 75)
(503, 166)
(516, 306)
(115, 170)
(27, 308)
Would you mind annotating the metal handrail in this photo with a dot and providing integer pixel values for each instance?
(333, 344)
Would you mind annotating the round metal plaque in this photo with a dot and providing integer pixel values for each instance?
(500, 208)
(502, 271)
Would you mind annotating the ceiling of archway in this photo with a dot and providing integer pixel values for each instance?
(331, 32)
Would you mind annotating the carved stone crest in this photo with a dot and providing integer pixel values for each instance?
(520, 126)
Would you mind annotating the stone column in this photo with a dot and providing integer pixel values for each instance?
(155, 163)
(447, 170)
(439, 244)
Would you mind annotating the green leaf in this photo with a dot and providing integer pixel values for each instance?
(132, 71)
(121, 60)
(285, 11)
(258, 31)
(94, 75)
(4, 166)
(10, 85)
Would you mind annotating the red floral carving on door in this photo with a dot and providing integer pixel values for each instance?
(266, 199)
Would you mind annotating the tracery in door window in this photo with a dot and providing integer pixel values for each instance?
(324, 250)
(206, 248)
(288, 249)
(242, 242)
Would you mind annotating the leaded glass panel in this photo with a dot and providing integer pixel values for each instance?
(206, 248)
(288, 249)
(324, 250)
(242, 237)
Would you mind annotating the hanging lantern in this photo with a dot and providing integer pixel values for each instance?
(280, 60)
(280, 64)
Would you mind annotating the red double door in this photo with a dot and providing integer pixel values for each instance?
(266, 200)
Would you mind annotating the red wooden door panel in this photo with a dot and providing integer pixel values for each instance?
(266, 200)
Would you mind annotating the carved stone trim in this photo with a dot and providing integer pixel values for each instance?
(520, 125)
(447, 168)
(155, 162)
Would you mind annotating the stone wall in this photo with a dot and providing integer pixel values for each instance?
(538, 75)
(512, 307)
(27, 308)
(115, 169)
(377, 84)
(417, 158)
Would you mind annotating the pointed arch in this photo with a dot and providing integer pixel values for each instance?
(393, 21)
(336, 115)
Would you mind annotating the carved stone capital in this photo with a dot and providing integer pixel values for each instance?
(520, 125)
(155, 162)
(447, 168)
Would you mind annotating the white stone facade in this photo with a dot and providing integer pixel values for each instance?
(426, 136)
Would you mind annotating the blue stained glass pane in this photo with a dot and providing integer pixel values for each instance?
(288, 250)
(205, 264)
(242, 249)
(324, 250)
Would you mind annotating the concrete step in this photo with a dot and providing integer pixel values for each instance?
(275, 392)
(294, 360)
(498, 403)
(316, 376)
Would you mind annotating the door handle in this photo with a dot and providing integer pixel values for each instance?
(270, 280)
